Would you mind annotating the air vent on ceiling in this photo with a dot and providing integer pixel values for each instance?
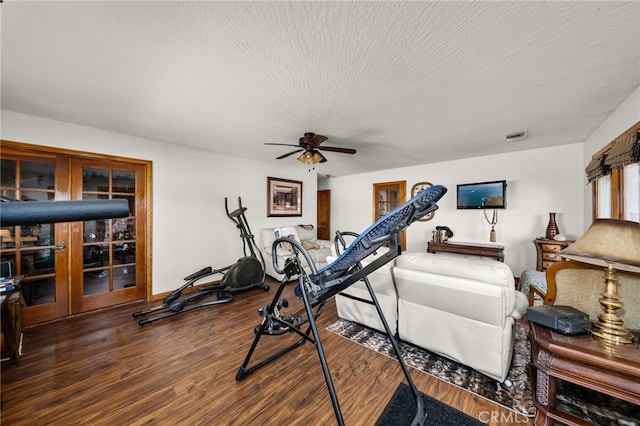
(516, 136)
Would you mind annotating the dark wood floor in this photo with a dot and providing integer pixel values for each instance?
(103, 369)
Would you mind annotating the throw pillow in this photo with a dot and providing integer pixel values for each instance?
(309, 245)
(536, 278)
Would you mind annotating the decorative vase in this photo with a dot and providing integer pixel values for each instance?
(552, 227)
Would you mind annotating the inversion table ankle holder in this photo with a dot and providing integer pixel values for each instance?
(317, 286)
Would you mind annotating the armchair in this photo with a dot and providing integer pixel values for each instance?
(579, 285)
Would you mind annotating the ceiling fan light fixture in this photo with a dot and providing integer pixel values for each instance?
(310, 158)
(307, 158)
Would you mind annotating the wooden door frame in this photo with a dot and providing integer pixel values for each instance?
(28, 149)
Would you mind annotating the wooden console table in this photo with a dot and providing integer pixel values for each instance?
(472, 249)
(583, 360)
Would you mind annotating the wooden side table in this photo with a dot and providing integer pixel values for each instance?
(584, 360)
(472, 249)
(11, 319)
(547, 252)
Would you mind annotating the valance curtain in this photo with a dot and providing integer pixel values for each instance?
(625, 151)
(597, 168)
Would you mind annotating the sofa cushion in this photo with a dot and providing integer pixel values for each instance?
(319, 255)
(309, 245)
(306, 232)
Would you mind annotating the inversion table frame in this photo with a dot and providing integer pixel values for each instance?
(316, 287)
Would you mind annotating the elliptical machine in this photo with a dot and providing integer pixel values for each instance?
(247, 273)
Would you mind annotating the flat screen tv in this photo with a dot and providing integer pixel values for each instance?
(482, 195)
(6, 269)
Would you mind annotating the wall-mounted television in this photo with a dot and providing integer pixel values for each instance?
(482, 195)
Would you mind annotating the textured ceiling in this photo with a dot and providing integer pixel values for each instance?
(404, 83)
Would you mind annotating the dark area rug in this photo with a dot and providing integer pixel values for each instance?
(401, 411)
(517, 397)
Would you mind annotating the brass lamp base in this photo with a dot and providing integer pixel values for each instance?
(610, 326)
(613, 335)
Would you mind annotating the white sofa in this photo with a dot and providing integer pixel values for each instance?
(461, 307)
(307, 237)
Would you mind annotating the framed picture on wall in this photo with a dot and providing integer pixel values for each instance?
(284, 197)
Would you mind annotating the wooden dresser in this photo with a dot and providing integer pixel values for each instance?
(547, 252)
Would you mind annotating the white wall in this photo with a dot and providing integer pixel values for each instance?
(539, 181)
(625, 116)
(190, 227)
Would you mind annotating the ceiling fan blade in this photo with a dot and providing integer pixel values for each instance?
(338, 149)
(280, 144)
(288, 154)
(318, 139)
(324, 160)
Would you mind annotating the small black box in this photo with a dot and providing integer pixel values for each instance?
(564, 319)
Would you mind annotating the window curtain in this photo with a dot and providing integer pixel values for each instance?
(622, 151)
(597, 168)
(625, 151)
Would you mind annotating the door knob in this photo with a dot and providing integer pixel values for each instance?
(61, 246)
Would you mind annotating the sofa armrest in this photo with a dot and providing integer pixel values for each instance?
(520, 306)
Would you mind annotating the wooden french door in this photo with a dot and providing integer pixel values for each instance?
(107, 255)
(386, 197)
(79, 266)
(40, 251)
(324, 215)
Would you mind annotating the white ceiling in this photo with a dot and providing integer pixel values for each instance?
(404, 83)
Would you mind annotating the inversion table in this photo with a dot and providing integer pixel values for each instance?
(317, 286)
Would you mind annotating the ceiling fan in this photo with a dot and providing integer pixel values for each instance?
(310, 144)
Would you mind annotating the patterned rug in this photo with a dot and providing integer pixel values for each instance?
(517, 397)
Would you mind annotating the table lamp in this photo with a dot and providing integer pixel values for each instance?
(615, 245)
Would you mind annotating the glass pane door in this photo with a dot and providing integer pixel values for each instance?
(108, 273)
(35, 250)
(388, 196)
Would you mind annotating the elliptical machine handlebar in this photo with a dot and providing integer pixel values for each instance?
(237, 212)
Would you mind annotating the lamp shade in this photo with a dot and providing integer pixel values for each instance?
(608, 241)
